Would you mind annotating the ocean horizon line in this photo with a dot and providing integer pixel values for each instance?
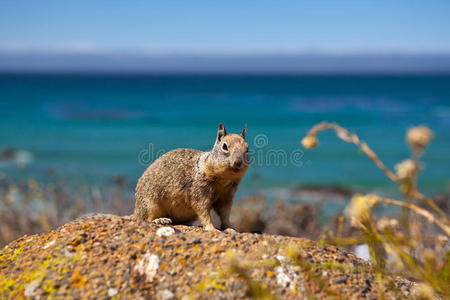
(184, 73)
(194, 63)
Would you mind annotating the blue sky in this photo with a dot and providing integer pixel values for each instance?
(226, 26)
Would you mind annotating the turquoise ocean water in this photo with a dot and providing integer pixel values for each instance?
(89, 128)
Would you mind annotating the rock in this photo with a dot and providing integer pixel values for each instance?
(165, 231)
(148, 265)
(165, 294)
(31, 288)
(114, 256)
(341, 279)
(112, 292)
(48, 244)
(287, 276)
(282, 259)
(362, 251)
(282, 278)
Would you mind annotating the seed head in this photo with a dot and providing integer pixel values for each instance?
(386, 223)
(359, 207)
(419, 137)
(406, 169)
(310, 142)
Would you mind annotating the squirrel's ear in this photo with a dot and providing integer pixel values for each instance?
(221, 132)
(244, 131)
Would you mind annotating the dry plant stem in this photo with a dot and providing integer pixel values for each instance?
(410, 261)
(431, 203)
(348, 137)
(420, 211)
(377, 271)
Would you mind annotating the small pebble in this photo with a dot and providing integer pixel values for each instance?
(112, 292)
(341, 279)
(30, 288)
(165, 294)
(165, 231)
(148, 265)
(281, 258)
(49, 244)
(67, 253)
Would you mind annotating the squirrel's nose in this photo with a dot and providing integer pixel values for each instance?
(237, 164)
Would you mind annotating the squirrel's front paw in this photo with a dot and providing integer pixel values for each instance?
(211, 228)
(162, 221)
(230, 230)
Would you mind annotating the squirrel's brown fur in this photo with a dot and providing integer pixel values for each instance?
(184, 184)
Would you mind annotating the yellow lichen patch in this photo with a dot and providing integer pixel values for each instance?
(7, 256)
(294, 289)
(210, 284)
(77, 279)
(77, 257)
(87, 227)
(48, 287)
(269, 273)
(58, 266)
(77, 240)
(218, 284)
(6, 284)
(217, 249)
(182, 261)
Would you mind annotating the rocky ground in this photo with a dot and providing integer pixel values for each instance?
(105, 256)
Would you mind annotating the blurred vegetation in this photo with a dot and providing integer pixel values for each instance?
(406, 246)
(31, 207)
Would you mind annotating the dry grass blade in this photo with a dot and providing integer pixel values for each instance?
(420, 211)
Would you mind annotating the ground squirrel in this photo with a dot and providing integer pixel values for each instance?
(184, 184)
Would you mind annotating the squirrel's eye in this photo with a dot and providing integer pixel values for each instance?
(225, 147)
